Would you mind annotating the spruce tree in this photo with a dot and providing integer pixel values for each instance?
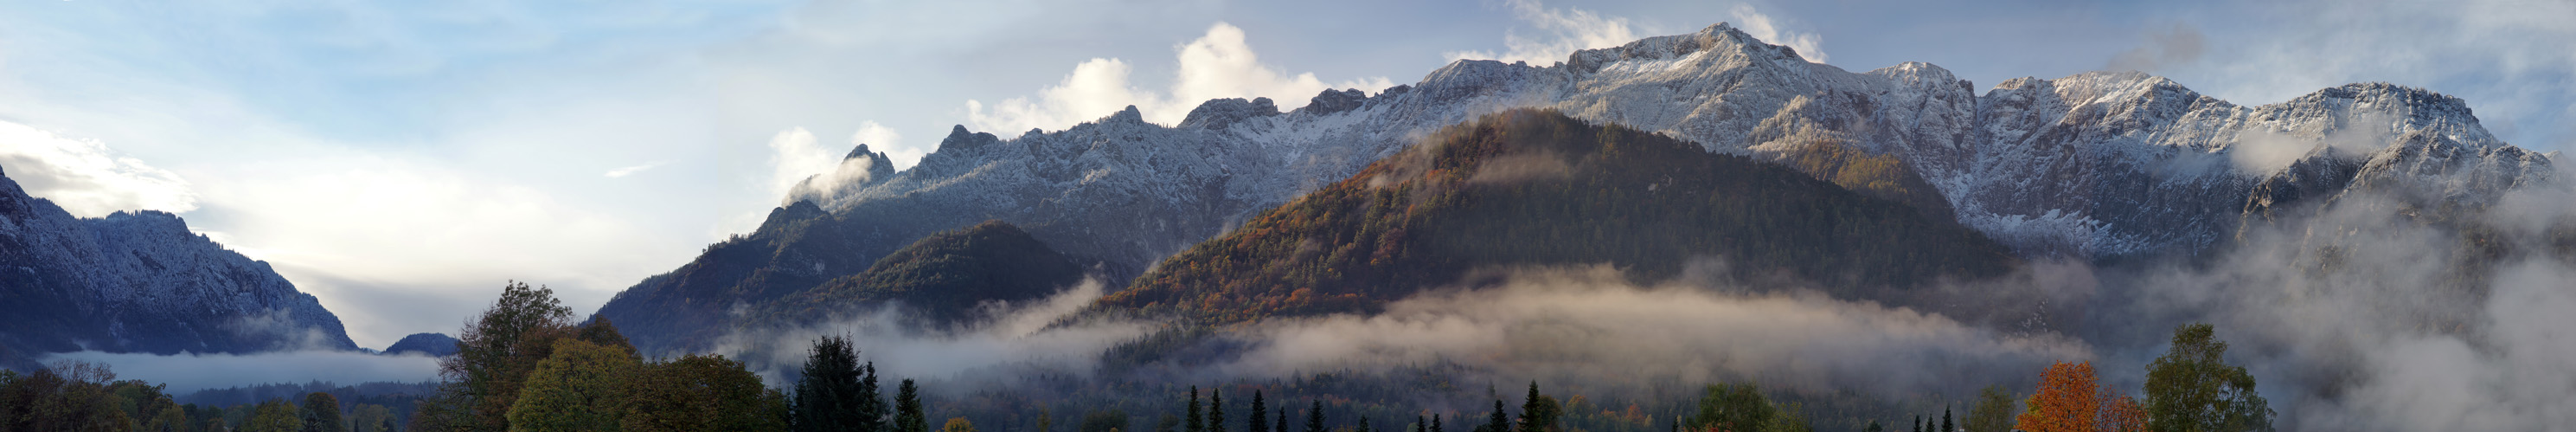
(1283, 420)
(1435, 422)
(1216, 411)
(1501, 422)
(1257, 425)
(872, 403)
(1946, 425)
(827, 397)
(1537, 411)
(907, 409)
(1364, 426)
(1193, 422)
(1315, 417)
(1918, 423)
(1420, 425)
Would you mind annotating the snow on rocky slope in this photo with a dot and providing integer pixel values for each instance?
(140, 282)
(2092, 166)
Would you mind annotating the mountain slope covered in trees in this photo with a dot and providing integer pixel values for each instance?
(1535, 187)
(941, 279)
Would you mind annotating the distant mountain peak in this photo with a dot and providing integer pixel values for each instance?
(431, 344)
(1219, 113)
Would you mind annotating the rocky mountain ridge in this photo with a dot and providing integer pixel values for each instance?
(140, 282)
(2099, 165)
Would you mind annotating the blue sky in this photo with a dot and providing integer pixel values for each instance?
(401, 160)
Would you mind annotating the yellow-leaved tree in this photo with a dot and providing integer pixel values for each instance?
(582, 387)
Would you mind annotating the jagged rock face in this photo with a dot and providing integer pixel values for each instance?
(2091, 166)
(141, 282)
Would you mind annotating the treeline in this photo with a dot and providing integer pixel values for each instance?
(526, 365)
(82, 396)
(1720, 408)
(397, 397)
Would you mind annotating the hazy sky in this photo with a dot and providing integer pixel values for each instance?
(402, 160)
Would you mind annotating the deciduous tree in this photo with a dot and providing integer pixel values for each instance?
(703, 393)
(2123, 414)
(1993, 412)
(494, 355)
(2191, 388)
(322, 413)
(582, 387)
(2068, 400)
(1734, 408)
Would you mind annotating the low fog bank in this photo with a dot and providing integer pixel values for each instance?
(2374, 313)
(185, 373)
(2379, 314)
(1591, 327)
(1020, 340)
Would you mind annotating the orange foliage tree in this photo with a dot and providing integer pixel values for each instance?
(2122, 414)
(2068, 401)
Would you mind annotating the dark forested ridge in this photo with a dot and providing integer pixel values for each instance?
(798, 247)
(943, 277)
(1533, 187)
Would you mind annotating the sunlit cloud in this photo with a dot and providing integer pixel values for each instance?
(85, 177)
(1220, 64)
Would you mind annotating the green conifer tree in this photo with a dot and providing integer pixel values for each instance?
(907, 409)
(1194, 422)
(1315, 417)
(1257, 424)
(827, 397)
(1216, 410)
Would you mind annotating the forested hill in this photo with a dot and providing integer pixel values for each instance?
(941, 279)
(1535, 187)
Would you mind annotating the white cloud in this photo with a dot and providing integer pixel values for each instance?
(1762, 27)
(1220, 64)
(1569, 30)
(627, 171)
(186, 373)
(85, 177)
(1591, 325)
(1017, 338)
(793, 156)
(396, 247)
